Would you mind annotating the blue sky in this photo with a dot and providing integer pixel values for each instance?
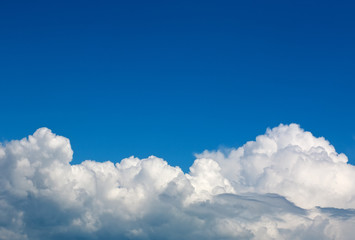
(173, 78)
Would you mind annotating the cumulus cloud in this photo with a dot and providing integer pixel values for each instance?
(287, 184)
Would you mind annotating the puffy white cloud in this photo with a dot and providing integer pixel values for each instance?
(287, 184)
(293, 163)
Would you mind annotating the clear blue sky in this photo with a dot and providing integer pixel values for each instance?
(172, 78)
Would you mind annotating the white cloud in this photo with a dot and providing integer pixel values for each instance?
(293, 163)
(287, 184)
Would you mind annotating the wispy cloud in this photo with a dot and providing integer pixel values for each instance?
(287, 184)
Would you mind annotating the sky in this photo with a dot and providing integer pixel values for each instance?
(188, 83)
(175, 78)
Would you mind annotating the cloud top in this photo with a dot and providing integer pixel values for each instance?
(287, 184)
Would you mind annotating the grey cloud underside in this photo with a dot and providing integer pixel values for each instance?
(287, 184)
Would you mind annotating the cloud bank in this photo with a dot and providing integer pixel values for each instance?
(287, 184)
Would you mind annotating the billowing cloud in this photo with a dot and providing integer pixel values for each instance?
(287, 184)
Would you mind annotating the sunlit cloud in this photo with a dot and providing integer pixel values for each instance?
(287, 184)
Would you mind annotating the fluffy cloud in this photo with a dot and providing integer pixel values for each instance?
(293, 163)
(287, 184)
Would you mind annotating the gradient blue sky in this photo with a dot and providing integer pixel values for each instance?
(172, 78)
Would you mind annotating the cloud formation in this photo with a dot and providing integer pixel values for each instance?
(287, 184)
